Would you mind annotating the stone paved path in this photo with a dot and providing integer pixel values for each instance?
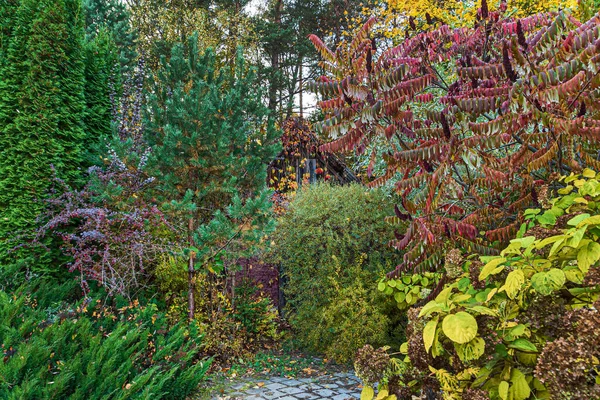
(338, 386)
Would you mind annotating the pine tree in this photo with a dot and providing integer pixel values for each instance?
(42, 106)
(212, 140)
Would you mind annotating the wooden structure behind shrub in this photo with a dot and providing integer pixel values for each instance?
(301, 161)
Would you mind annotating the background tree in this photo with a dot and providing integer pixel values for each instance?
(221, 25)
(398, 17)
(212, 140)
(289, 60)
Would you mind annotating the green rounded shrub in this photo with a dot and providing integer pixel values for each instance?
(332, 245)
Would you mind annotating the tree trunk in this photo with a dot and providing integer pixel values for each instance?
(191, 271)
(274, 83)
(300, 86)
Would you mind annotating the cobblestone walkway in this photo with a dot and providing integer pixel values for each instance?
(338, 386)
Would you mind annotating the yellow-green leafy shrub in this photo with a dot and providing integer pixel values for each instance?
(350, 319)
(332, 246)
(532, 331)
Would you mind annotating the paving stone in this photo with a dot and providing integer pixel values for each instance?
(307, 396)
(344, 396)
(325, 393)
(288, 398)
(275, 386)
(277, 379)
(271, 395)
(291, 390)
(331, 386)
(293, 382)
(310, 387)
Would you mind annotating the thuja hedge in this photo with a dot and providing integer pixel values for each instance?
(53, 350)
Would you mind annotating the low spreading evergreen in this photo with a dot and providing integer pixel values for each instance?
(55, 349)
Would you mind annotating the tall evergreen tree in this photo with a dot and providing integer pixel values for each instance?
(212, 140)
(42, 108)
(112, 17)
(8, 10)
(102, 80)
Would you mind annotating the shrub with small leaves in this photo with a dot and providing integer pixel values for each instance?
(330, 255)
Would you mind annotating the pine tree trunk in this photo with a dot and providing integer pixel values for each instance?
(301, 88)
(274, 84)
(191, 272)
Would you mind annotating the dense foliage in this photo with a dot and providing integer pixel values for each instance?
(472, 124)
(121, 184)
(173, 180)
(88, 350)
(521, 326)
(42, 108)
(472, 119)
(330, 255)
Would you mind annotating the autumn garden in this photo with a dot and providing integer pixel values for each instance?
(405, 189)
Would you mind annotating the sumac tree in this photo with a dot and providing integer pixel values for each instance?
(473, 119)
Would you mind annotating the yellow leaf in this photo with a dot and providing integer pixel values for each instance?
(367, 393)
(514, 281)
(588, 173)
(491, 294)
(503, 390)
(429, 333)
(492, 268)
